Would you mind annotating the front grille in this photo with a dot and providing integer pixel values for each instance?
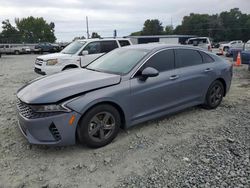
(26, 111)
(39, 62)
(54, 131)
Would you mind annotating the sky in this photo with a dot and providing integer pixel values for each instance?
(126, 16)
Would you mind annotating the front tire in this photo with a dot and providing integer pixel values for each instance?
(99, 126)
(214, 95)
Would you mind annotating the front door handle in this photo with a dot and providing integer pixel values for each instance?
(174, 77)
(208, 70)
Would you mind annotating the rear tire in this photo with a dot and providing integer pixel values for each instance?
(99, 126)
(17, 52)
(214, 95)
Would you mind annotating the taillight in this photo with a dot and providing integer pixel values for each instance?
(209, 48)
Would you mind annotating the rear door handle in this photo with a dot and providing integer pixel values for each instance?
(174, 77)
(208, 70)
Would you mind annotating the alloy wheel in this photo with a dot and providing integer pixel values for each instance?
(216, 94)
(101, 126)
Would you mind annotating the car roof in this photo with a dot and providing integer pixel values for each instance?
(159, 46)
(198, 38)
(100, 39)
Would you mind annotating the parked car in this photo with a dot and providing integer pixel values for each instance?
(202, 42)
(125, 87)
(84, 51)
(233, 44)
(244, 51)
(12, 49)
(247, 46)
(26, 49)
(215, 44)
(46, 47)
(245, 55)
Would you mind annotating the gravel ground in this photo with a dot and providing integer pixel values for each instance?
(193, 148)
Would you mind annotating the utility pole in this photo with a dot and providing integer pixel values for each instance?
(87, 23)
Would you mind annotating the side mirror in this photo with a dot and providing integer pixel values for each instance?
(84, 52)
(149, 72)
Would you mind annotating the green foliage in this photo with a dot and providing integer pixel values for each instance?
(9, 33)
(232, 25)
(95, 35)
(226, 26)
(28, 30)
(152, 27)
(137, 33)
(169, 30)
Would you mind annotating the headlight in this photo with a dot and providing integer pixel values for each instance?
(51, 62)
(50, 108)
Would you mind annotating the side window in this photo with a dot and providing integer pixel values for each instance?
(107, 46)
(187, 57)
(162, 61)
(93, 48)
(124, 43)
(206, 58)
(7, 46)
(1, 46)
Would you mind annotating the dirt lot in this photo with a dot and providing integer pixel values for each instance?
(193, 148)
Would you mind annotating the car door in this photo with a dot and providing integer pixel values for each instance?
(7, 49)
(94, 51)
(233, 44)
(194, 74)
(155, 95)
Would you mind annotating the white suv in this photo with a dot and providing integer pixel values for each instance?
(202, 42)
(77, 54)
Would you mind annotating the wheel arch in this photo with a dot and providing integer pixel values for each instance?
(224, 85)
(70, 66)
(114, 104)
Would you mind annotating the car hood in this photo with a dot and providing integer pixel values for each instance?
(54, 56)
(54, 88)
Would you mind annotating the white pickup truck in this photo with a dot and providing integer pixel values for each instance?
(77, 54)
(232, 44)
(14, 49)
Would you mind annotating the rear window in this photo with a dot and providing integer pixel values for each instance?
(206, 58)
(124, 43)
(198, 41)
(162, 61)
(187, 57)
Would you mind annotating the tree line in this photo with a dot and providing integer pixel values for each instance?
(27, 30)
(226, 26)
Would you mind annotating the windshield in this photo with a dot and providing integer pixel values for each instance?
(73, 47)
(119, 61)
